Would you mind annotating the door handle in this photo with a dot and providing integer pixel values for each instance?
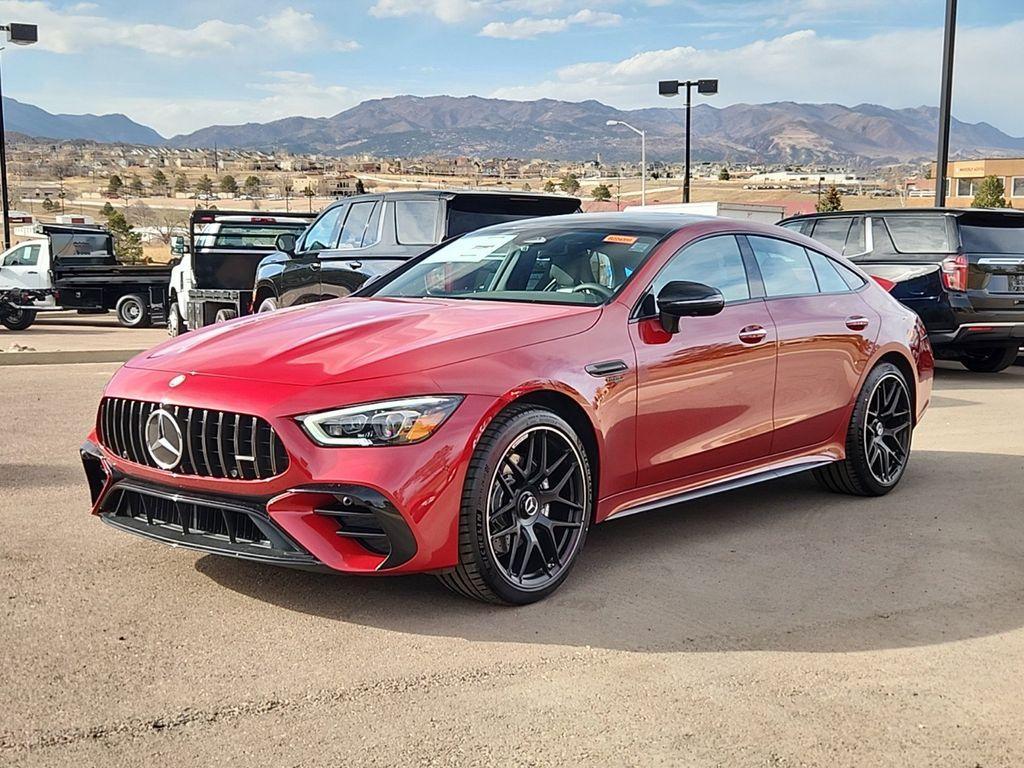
(753, 334)
(857, 323)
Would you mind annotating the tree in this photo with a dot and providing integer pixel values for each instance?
(724, 175)
(549, 186)
(310, 194)
(526, 186)
(229, 185)
(115, 185)
(360, 187)
(831, 201)
(252, 186)
(205, 186)
(127, 242)
(991, 194)
(601, 192)
(107, 209)
(48, 204)
(570, 184)
(181, 183)
(136, 185)
(159, 181)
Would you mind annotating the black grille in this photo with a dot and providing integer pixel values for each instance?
(217, 444)
(199, 522)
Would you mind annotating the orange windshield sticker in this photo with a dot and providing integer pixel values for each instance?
(623, 239)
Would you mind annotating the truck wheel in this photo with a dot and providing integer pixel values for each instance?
(223, 315)
(269, 304)
(132, 311)
(989, 360)
(175, 325)
(19, 319)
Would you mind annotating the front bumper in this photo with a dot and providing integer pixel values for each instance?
(353, 510)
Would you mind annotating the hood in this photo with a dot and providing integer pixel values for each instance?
(362, 338)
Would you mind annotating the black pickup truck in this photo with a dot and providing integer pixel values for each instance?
(961, 270)
(74, 267)
(362, 237)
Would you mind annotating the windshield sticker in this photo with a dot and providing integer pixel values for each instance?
(475, 248)
(640, 247)
(621, 239)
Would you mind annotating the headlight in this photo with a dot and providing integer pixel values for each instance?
(391, 422)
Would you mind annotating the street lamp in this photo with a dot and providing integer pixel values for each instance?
(19, 34)
(671, 88)
(945, 104)
(643, 157)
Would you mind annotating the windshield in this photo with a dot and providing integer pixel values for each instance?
(544, 265)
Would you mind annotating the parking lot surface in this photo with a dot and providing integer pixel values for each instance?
(778, 625)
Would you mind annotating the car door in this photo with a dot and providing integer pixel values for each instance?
(826, 333)
(342, 267)
(299, 281)
(20, 269)
(704, 398)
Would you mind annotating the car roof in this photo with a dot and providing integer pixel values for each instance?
(656, 224)
(957, 212)
(449, 194)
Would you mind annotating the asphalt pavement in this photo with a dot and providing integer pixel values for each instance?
(778, 625)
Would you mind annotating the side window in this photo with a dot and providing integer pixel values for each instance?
(416, 221)
(832, 231)
(855, 241)
(919, 234)
(785, 267)
(354, 229)
(371, 236)
(26, 256)
(715, 261)
(829, 279)
(851, 278)
(324, 232)
(803, 226)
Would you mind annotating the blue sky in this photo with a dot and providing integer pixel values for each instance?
(179, 65)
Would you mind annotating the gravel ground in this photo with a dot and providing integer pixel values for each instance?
(773, 626)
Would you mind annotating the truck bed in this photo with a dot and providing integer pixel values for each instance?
(111, 274)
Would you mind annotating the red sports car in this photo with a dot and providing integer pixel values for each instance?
(473, 413)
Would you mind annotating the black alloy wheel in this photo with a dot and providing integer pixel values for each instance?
(990, 360)
(878, 439)
(19, 319)
(526, 509)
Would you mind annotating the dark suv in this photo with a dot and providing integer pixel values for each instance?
(962, 271)
(366, 236)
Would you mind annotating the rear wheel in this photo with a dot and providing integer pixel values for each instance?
(878, 439)
(19, 319)
(989, 360)
(269, 304)
(223, 315)
(526, 509)
(132, 311)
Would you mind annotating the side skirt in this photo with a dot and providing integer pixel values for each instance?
(764, 474)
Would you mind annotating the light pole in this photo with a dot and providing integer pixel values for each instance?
(705, 87)
(945, 104)
(19, 34)
(643, 157)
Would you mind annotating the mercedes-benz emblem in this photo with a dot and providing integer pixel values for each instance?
(163, 439)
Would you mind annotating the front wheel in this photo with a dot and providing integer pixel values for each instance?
(526, 509)
(19, 319)
(989, 360)
(132, 311)
(175, 323)
(223, 315)
(269, 304)
(878, 438)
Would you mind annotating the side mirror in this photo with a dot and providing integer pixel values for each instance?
(681, 298)
(178, 245)
(286, 242)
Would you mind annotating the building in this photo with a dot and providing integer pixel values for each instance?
(964, 178)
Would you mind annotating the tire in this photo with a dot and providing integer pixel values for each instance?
(223, 315)
(269, 304)
(175, 323)
(990, 360)
(549, 531)
(19, 319)
(859, 474)
(132, 311)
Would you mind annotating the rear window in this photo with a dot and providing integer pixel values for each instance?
(469, 213)
(1007, 238)
(832, 232)
(919, 234)
(248, 236)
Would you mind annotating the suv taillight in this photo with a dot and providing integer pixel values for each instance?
(954, 272)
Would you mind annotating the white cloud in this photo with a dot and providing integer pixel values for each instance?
(459, 11)
(448, 11)
(899, 68)
(78, 28)
(527, 28)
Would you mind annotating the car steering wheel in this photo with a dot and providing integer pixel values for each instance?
(597, 289)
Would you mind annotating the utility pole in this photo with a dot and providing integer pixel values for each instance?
(945, 104)
(705, 87)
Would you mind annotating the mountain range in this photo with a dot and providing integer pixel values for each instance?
(410, 126)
